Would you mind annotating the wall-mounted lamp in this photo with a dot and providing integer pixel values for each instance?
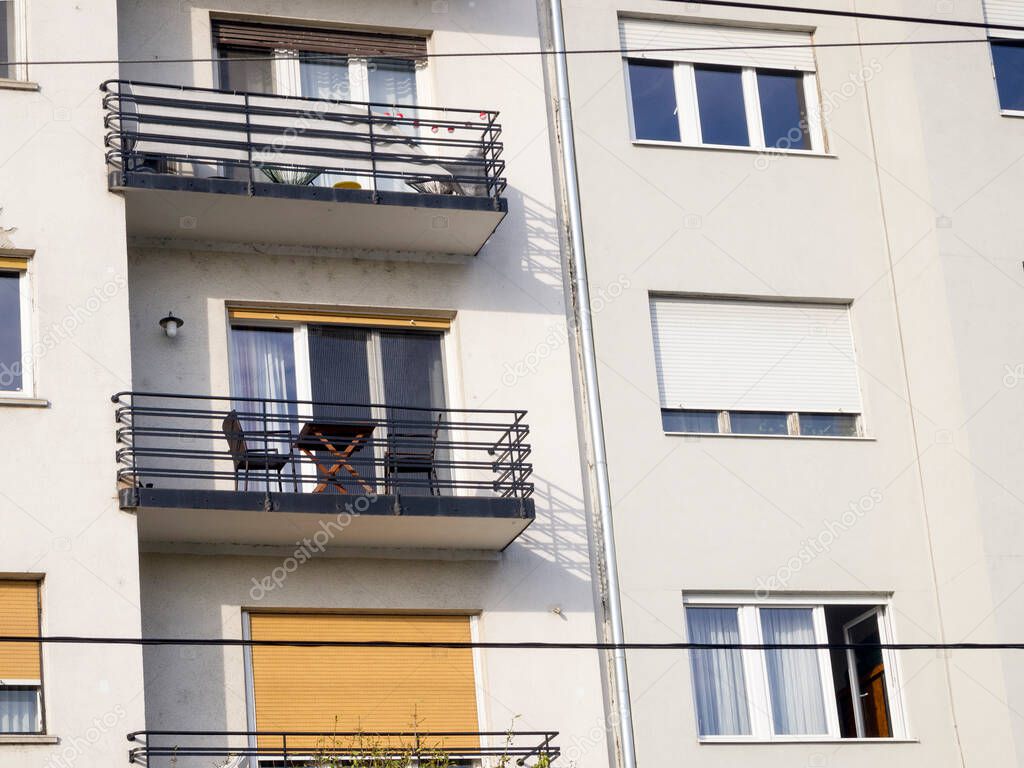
(171, 324)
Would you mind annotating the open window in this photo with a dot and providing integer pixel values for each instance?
(775, 694)
(15, 323)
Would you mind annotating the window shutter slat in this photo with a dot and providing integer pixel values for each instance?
(19, 617)
(363, 689)
(751, 355)
(1009, 12)
(637, 35)
(340, 42)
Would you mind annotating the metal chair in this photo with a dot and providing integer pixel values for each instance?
(413, 453)
(248, 459)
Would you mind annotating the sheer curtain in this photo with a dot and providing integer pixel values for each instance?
(263, 366)
(19, 710)
(794, 677)
(718, 680)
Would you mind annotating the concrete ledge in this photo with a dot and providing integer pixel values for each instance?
(28, 738)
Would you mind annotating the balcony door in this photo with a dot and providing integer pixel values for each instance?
(391, 378)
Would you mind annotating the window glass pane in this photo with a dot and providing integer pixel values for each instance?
(10, 332)
(262, 362)
(869, 677)
(324, 77)
(783, 109)
(653, 93)
(723, 118)
(828, 424)
(718, 677)
(753, 423)
(794, 677)
(19, 710)
(1008, 58)
(689, 421)
(392, 82)
(239, 72)
(8, 49)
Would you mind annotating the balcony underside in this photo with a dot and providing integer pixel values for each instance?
(166, 206)
(346, 521)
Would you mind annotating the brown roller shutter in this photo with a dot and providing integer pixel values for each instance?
(367, 690)
(19, 617)
(340, 42)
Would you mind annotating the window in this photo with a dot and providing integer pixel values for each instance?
(10, 50)
(373, 690)
(376, 371)
(21, 706)
(761, 98)
(793, 693)
(732, 366)
(1008, 61)
(15, 372)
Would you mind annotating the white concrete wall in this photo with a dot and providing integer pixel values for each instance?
(58, 515)
(508, 348)
(714, 513)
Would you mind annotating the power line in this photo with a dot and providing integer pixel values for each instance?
(855, 14)
(499, 54)
(525, 645)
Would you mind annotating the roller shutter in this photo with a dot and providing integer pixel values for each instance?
(19, 617)
(341, 42)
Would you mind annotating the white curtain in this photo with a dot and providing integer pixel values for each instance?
(794, 677)
(263, 366)
(718, 680)
(19, 710)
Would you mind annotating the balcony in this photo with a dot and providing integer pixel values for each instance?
(207, 469)
(330, 175)
(280, 748)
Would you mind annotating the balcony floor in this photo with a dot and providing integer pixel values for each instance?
(242, 517)
(184, 207)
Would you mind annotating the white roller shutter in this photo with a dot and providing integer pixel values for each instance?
(1010, 12)
(753, 355)
(638, 35)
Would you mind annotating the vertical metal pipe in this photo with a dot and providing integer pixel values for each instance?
(591, 389)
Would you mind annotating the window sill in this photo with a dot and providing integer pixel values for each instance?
(7, 84)
(730, 148)
(856, 439)
(1012, 112)
(23, 402)
(28, 738)
(804, 740)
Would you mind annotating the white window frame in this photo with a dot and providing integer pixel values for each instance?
(995, 75)
(755, 670)
(688, 113)
(792, 424)
(20, 48)
(25, 303)
(40, 724)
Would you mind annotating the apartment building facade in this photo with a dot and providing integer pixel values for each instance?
(808, 387)
(289, 361)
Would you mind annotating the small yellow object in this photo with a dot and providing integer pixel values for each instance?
(348, 185)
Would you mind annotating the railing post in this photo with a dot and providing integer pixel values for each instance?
(248, 145)
(121, 139)
(266, 450)
(284, 749)
(373, 154)
(136, 482)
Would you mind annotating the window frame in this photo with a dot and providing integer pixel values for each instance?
(685, 82)
(9, 265)
(792, 424)
(755, 666)
(20, 46)
(30, 682)
(1014, 42)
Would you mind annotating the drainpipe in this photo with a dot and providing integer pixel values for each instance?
(591, 390)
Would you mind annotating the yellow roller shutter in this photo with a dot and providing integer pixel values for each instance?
(367, 690)
(19, 617)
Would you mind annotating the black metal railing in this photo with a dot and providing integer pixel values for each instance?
(298, 748)
(302, 446)
(298, 141)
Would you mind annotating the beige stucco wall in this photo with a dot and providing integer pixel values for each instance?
(713, 513)
(58, 515)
